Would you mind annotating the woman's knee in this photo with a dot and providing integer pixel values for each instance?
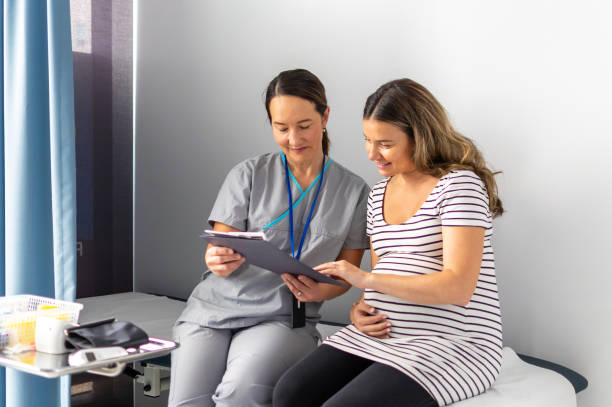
(242, 393)
(197, 365)
(287, 392)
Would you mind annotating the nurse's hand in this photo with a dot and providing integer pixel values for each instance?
(364, 317)
(304, 288)
(222, 261)
(342, 269)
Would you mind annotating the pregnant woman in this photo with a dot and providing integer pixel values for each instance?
(436, 337)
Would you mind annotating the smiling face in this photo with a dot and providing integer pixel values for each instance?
(388, 146)
(298, 128)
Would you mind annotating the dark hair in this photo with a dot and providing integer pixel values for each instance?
(303, 84)
(438, 148)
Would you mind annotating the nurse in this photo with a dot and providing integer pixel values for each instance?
(244, 326)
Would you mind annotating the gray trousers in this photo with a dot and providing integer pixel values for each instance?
(233, 367)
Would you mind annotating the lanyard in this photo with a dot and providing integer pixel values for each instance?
(299, 253)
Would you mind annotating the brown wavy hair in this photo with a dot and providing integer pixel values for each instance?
(438, 148)
(303, 84)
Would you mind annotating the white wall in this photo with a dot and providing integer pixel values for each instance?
(529, 81)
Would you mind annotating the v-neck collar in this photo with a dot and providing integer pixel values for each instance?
(297, 184)
(382, 208)
(302, 194)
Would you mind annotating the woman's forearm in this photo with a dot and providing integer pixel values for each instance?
(454, 284)
(444, 287)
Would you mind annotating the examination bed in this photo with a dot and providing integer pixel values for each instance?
(524, 381)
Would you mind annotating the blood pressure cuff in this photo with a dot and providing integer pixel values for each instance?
(106, 333)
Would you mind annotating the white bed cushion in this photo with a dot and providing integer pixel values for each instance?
(519, 384)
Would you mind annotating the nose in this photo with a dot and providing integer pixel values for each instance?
(372, 152)
(292, 135)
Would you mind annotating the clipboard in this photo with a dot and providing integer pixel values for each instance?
(260, 252)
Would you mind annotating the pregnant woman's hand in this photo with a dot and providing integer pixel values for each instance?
(364, 318)
(222, 261)
(342, 269)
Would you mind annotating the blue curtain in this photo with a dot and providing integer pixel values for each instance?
(37, 171)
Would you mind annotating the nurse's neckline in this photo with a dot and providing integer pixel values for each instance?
(304, 178)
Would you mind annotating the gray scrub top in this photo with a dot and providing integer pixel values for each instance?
(254, 198)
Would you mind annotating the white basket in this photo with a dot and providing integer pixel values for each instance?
(18, 315)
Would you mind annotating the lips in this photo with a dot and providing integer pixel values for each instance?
(382, 165)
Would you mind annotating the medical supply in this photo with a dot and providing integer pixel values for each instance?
(85, 356)
(50, 334)
(5, 338)
(106, 333)
(18, 314)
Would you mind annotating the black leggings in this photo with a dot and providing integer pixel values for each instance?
(330, 377)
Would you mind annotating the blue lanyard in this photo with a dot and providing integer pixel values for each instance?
(299, 253)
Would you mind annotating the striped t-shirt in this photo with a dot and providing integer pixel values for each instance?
(453, 351)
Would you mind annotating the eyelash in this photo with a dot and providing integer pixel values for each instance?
(300, 127)
(382, 145)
